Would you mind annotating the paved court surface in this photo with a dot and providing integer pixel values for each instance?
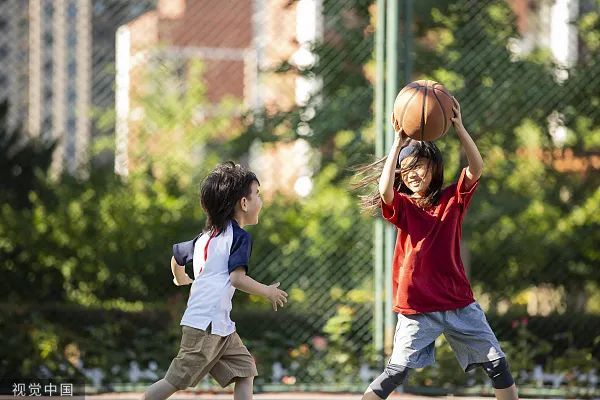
(189, 395)
(203, 395)
(273, 396)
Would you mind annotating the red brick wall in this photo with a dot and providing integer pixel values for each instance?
(211, 23)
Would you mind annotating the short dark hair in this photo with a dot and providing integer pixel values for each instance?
(220, 192)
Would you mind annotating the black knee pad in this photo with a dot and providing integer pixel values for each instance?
(392, 377)
(499, 373)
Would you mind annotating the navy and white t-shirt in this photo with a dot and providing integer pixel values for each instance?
(214, 258)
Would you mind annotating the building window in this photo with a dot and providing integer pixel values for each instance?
(72, 10)
(72, 68)
(72, 38)
(71, 97)
(48, 9)
(47, 127)
(48, 39)
(99, 8)
(48, 67)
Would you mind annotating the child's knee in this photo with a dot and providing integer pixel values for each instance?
(392, 377)
(499, 373)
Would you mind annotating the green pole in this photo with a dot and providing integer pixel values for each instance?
(391, 90)
(378, 334)
(407, 42)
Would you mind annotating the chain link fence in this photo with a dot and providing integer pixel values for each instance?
(143, 98)
(527, 76)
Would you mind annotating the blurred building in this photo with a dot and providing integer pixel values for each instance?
(108, 16)
(60, 61)
(240, 44)
(548, 24)
(46, 64)
(54, 58)
(14, 58)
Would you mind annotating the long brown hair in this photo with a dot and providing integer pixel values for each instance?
(368, 175)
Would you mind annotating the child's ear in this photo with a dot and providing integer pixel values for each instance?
(244, 204)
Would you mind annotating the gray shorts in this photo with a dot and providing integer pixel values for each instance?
(466, 330)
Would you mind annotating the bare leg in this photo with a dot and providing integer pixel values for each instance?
(160, 390)
(510, 393)
(369, 395)
(243, 388)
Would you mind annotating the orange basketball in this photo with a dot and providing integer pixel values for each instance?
(423, 109)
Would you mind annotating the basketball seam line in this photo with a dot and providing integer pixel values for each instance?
(408, 87)
(443, 112)
(423, 112)
(445, 93)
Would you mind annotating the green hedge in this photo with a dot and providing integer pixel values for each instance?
(109, 340)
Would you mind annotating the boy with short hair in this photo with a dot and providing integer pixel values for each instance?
(220, 255)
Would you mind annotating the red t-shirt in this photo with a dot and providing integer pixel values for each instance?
(428, 273)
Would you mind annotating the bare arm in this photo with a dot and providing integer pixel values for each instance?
(386, 181)
(475, 167)
(241, 281)
(179, 275)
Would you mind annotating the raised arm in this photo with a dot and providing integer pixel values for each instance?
(474, 159)
(386, 181)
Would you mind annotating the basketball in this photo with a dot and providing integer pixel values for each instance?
(423, 109)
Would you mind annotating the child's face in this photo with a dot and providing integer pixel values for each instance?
(254, 204)
(418, 178)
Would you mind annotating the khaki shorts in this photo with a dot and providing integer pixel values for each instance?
(201, 353)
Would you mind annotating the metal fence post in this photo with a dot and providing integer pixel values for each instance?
(378, 279)
(391, 88)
